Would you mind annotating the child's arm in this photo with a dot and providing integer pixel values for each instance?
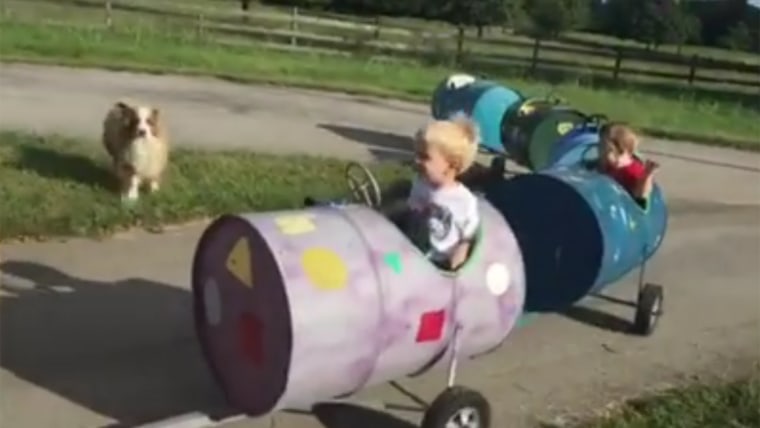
(467, 231)
(459, 255)
(646, 182)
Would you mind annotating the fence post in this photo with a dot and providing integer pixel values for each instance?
(693, 68)
(377, 27)
(460, 45)
(109, 14)
(534, 58)
(201, 26)
(294, 26)
(618, 63)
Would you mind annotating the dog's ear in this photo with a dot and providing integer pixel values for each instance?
(122, 105)
(154, 114)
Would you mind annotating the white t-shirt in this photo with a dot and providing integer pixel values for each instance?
(452, 215)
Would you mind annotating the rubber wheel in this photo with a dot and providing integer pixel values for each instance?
(648, 309)
(458, 407)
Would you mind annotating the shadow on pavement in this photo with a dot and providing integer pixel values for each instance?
(66, 166)
(125, 350)
(382, 145)
(599, 319)
(344, 415)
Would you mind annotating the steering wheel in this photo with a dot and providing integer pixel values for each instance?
(363, 185)
(596, 118)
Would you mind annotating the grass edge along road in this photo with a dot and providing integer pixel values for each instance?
(54, 186)
(734, 404)
(685, 118)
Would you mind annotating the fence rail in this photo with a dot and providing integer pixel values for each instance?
(379, 37)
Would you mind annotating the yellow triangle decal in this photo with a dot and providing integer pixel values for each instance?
(239, 262)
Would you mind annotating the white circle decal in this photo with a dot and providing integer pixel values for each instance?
(456, 81)
(212, 302)
(497, 279)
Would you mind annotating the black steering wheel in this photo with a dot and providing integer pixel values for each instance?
(363, 185)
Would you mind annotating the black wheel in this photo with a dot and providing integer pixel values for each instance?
(648, 309)
(458, 407)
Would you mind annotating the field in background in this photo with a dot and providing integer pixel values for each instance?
(576, 57)
(165, 37)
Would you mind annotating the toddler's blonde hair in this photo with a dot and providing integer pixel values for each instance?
(619, 137)
(457, 139)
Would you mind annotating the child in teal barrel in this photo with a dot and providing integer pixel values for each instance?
(617, 158)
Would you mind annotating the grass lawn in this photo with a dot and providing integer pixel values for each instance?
(730, 405)
(54, 186)
(675, 115)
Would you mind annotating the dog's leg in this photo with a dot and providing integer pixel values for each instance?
(132, 189)
(154, 185)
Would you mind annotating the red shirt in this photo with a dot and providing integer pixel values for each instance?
(628, 176)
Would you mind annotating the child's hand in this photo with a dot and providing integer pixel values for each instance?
(650, 166)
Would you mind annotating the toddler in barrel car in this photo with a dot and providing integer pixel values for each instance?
(443, 151)
(617, 158)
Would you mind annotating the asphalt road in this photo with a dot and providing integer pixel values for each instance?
(95, 333)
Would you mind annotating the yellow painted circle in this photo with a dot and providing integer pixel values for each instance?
(325, 269)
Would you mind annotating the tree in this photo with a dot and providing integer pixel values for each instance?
(471, 13)
(651, 22)
(685, 28)
(550, 18)
(738, 38)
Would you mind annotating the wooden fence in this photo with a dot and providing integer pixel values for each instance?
(491, 55)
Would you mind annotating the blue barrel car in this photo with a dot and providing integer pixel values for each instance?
(487, 103)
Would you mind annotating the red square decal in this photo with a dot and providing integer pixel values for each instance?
(431, 326)
(250, 338)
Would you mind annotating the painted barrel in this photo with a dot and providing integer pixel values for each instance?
(486, 102)
(530, 134)
(579, 147)
(297, 307)
(579, 231)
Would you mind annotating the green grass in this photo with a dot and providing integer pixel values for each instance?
(679, 115)
(55, 186)
(729, 405)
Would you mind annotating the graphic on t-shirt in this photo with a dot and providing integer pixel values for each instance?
(440, 222)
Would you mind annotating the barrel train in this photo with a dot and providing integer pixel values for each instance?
(293, 308)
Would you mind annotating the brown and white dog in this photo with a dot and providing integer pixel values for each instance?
(137, 141)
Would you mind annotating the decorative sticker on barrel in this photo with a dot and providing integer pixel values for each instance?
(325, 269)
(250, 332)
(564, 127)
(393, 261)
(457, 81)
(431, 326)
(212, 302)
(295, 224)
(498, 278)
(239, 262)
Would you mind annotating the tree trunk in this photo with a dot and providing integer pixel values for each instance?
(460, 43)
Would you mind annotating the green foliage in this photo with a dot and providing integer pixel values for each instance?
(472, 12)
(652, 22)
(550, 18)
(738, 38)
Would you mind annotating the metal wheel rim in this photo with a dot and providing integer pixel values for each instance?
(466, 417)
(359, 180)
(655, 313)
